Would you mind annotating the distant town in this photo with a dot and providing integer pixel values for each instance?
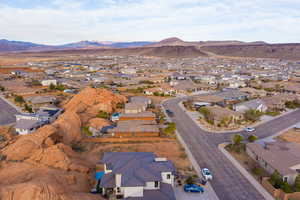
(147, 127)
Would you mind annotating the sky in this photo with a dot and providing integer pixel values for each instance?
(64, 21)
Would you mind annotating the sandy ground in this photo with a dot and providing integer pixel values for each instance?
(291, 135)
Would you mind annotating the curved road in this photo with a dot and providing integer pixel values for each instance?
(228, 183)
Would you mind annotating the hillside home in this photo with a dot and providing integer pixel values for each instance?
(27, 123)
(283, 157)
(38, 101)
(137, 175)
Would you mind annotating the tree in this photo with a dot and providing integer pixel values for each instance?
(19, 99)
(286, 187)
(252, 138)
(297, 183)
(207, 115)
(60, 87)
(237, 139)
(52, 86)
(102, 114)
(28, 108)
(276, 179)
(252, 115)
(2, 89)
(190, 180)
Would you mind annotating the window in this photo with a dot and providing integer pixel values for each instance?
(118, 190)
(168, 176)
(156, 184)
(285, 179)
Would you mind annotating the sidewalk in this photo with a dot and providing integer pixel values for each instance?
(246, 174)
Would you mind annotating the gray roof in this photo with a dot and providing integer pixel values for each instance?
(134, 106)
(27, 124)
(141, 114)
(252, 104)
(232, 94)
(136, 168)
(41, 99)
(140, 99)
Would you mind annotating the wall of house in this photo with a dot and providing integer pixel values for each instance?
(151, 186)
(23, 131)
(165, 179)
(133, 192)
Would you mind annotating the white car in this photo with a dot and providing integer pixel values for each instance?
(206, 174)
(248, 129)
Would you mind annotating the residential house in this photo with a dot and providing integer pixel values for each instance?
(48, 82)
(232, 95)
(38, 101)
(135, 128)
(255, 93)
(28, 123)
(135, 107)
(221, 115)
(277, 102)
(255, 104)
(146, 115)
(283, 157)
(137, 175)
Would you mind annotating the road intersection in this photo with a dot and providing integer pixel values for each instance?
(228, 183)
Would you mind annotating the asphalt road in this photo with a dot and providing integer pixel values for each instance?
(228, 182)
(7, 113)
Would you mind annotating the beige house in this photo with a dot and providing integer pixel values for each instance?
(224, 115)
(281, 156)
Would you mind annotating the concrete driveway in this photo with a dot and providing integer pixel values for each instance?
(180, 194)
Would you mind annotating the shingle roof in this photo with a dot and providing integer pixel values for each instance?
(280, 155)
(136, 168)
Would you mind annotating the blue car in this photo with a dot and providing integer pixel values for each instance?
(193, 188)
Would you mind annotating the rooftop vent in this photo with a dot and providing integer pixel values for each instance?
(160, 159)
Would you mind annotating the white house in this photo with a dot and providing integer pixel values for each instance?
(137, 175)
(48, 82)
(255, 104)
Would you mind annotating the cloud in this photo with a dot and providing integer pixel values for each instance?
(62, 21)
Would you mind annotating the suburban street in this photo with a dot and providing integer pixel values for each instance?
(7, 113)
(228, 182)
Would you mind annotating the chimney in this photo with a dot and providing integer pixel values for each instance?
(118, 180)
(160, 159)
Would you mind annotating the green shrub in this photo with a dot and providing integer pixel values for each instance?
(297, 183)
(87, 131)
(237, 139)
(28, 108)
(2, 89)
(19, 99)
(103, 114)
(252, 138)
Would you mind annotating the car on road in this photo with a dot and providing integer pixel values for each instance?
(193, 188)
(206, 174)
(249, 129)
(169, 113)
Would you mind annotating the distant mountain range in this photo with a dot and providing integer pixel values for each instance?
(9, 46)
(170, 47)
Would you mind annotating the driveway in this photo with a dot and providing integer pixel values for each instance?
(7, 113)
(180, 194)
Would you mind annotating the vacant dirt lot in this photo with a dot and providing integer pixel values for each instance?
(291, 135)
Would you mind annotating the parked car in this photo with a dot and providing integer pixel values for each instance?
(206, 174)
(193, 188)
(169, 113)
(249, 129)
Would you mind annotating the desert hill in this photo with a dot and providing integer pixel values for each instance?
(45, 165)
